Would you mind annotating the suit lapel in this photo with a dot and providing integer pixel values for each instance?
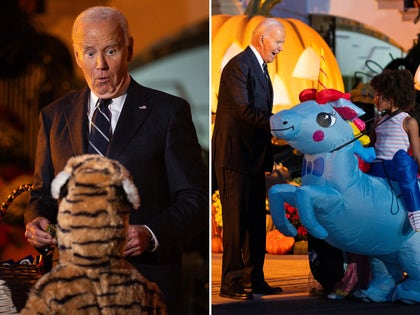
(77, 122)
(261, 77)
(256, 66)
(135, 110)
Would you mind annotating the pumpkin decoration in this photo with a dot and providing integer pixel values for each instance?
(300, 248)
(216, 230)
(269, 224)
(262, 7)
(278, 244)
(216, 244)
(303, 46)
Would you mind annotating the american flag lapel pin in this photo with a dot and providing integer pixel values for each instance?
(142, 107)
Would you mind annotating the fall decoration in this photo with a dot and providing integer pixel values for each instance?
(216, 210)
(216, 244)
(269, 224)
(260, 7)
(216, 224)
(300, 248)
(278, 244)
(293, 216)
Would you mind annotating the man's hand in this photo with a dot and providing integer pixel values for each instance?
(36, 233)
(138, 240)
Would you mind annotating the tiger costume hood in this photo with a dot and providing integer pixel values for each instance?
(95, 197)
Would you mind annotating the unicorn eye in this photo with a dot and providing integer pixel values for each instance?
(325, 120)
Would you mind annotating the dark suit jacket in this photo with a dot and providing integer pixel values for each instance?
(241, 136)
(156, 141)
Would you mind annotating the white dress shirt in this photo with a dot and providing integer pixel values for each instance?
(115, 107)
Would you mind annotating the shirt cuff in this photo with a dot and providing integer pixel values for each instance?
(154, 243)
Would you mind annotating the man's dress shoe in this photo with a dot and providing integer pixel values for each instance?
(248, 287)
(237, 293)
(264, 288)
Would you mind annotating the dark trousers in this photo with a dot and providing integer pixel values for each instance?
(169, 278)
(243, 211)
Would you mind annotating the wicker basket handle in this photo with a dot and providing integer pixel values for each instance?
(15, 193)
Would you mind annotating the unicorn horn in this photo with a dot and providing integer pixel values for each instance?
(322, 76)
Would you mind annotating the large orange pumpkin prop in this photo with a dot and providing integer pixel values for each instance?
(231, 34)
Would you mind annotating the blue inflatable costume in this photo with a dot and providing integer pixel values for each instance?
(339, 203)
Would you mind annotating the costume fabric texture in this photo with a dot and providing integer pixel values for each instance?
(92, 277)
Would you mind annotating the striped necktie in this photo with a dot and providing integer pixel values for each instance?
(265, 68)
(100, 128)
(270, 86)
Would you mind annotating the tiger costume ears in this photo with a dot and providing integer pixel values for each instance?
(91, 163)
(58, 184)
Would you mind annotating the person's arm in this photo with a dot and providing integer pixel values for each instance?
(42, 208)
(412, 128)
(249, 98)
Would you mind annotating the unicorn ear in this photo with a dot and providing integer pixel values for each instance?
(58, 182)
(347, 109)
(131, 192)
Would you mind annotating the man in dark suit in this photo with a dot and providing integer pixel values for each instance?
(152, 136)
(241, 154)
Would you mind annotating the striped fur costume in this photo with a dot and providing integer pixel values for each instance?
(92, 277)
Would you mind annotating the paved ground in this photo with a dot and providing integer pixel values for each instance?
(287, 271)
(291, 272)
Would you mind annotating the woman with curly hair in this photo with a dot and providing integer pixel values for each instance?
(397, 142)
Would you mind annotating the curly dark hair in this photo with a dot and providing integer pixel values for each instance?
(396, 85)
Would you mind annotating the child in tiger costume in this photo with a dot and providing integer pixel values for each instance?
(92, 277)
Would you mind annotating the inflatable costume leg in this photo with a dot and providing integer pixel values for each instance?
(406, 170)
